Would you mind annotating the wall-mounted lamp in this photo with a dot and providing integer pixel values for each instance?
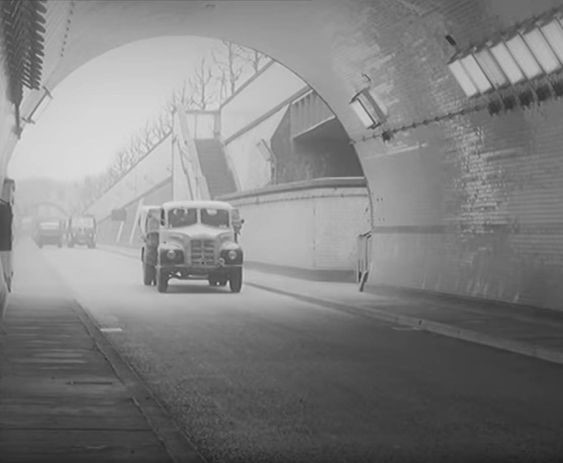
(368, 108)
(39, 108)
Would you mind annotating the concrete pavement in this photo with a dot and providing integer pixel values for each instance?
(65, 395)
(537, 333)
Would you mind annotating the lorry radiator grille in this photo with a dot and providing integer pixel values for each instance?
(203, 252)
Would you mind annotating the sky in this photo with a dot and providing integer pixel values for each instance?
(97, 108)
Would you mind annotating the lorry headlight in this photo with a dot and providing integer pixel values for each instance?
(232, 254)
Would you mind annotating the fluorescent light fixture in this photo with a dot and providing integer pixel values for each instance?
(523, 56)
(507, 63)
(39, 107)
(476, 73)
(491, 68)
(463, 78)
(541, 50)
(368, 108)
(553, 32)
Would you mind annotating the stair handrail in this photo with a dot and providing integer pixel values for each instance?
(188, 149)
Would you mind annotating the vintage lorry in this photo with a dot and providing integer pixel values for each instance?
(195, 240)
(49, 230)
(82, 231)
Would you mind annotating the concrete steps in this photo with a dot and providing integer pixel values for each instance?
(214, 167)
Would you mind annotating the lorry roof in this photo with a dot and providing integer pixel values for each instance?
(198, 204)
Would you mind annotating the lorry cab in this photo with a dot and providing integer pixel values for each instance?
(198, 240)
(82, 231)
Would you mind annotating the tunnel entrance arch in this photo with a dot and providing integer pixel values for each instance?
(442, 220)
(284, 30)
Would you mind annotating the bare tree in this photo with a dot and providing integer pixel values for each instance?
(123, 160)
(229, 67)
(255, 59)
(201, 94)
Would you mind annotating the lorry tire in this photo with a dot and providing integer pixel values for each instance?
(148, 274)
(161, 281)
(235, 280)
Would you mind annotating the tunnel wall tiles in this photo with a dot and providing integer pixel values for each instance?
(470, 205)
(310, 229)
(478, 211)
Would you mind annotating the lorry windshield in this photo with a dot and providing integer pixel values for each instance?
(82, 222)
(49, 225)
(182, 217)
(215, 217)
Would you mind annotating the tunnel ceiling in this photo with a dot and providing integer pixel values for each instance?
(336, 46)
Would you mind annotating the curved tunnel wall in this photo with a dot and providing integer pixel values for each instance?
(470, 205)
(466, 206)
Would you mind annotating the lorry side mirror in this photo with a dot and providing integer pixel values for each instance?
(6, 219)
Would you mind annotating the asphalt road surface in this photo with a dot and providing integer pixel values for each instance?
(257, 376)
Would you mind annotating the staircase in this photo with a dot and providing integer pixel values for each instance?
(214, 167)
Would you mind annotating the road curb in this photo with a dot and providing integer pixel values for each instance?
(439, 328)
(176, 443)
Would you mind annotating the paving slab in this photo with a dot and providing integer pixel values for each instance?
(65, 395)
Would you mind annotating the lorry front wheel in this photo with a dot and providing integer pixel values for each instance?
(235, 280)
(161, 281)
(148, 274)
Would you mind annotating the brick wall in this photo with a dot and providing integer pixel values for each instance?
(469, 205)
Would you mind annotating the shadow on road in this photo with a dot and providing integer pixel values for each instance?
(195, 287)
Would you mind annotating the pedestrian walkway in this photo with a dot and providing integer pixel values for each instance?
(65, 395)
(524, 330)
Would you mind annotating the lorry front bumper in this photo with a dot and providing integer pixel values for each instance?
(197, 271)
